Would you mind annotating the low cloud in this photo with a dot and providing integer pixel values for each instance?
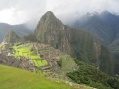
(22, 11)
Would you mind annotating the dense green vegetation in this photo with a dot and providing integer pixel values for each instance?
(91, 76)
(106, 61)
(67, 63)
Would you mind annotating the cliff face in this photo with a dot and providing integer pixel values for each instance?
(51, 31)
(77, 43)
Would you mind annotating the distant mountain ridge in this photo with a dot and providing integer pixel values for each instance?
(21, 30)
(104, 26)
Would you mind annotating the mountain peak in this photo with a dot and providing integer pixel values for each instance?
(107, 13)
(11, 32)
(49, 13)
(11, 37)
(48, 16)
(47, 23)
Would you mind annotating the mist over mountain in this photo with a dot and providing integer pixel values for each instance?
(21, 30)
(104, 26)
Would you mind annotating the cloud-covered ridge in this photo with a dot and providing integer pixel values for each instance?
(21, 11)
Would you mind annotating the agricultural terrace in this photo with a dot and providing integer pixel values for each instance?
(27, 51)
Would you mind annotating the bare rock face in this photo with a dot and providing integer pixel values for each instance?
(51, 31)
(77, 43)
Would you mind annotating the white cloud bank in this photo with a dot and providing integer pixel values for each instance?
(21, 11)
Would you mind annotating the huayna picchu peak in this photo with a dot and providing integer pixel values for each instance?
(48, 15)
(77, 43)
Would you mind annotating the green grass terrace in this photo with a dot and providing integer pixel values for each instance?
(27, 51)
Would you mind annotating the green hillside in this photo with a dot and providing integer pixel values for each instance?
(12, 78)
(93, 77)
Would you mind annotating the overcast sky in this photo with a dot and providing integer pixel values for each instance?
(22, 11)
